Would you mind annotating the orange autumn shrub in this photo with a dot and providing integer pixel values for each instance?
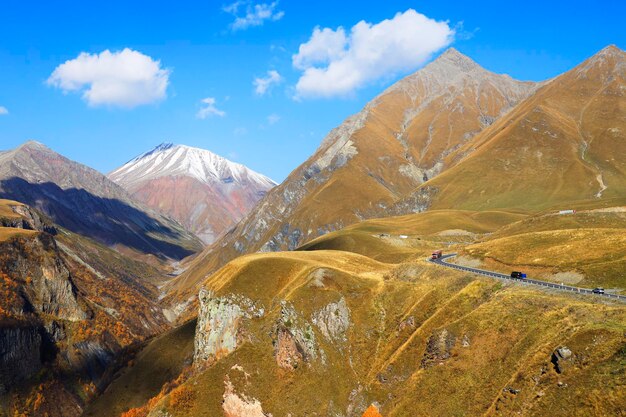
(372, 411)
(182, 398)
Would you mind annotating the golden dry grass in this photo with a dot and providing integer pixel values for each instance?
(510, 332)
(549, 150)
(5, 208)
(597, 253)
(7, 233)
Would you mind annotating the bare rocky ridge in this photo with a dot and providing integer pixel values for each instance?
(206, 193)
(86, 202)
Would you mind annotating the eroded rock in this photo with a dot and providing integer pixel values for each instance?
(333, 320)
(20, 355)
(438, 347)
(561, 358)
(235, 405)
(288, 353)
(300, 331)
(219, 330)
(47, 282)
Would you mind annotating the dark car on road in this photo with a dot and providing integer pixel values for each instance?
(598, 291)
(518, 275)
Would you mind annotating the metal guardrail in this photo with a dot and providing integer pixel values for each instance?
(586, 291)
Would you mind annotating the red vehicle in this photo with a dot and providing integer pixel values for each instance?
(437, 254)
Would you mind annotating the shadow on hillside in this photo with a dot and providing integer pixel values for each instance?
(108, 221)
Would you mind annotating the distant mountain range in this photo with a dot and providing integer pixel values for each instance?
(204, 192)
(88, 203)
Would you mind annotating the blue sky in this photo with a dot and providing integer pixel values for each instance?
(203, 54)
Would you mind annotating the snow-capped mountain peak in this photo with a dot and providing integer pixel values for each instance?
(205, 192)
(168, 160)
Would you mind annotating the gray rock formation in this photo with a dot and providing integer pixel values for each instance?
(220, 329)
(438, 348)
(333, 320)
(20, 355)
(561, 358)
(300, 333)
(48, 285)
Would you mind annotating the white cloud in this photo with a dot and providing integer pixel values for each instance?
(3, 110)
(126, 78)
(326, 45)
(253, 14)
(263, 84)
(336, 63)
(272, 119)
(209, 109)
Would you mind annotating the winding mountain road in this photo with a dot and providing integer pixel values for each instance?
(442, 261)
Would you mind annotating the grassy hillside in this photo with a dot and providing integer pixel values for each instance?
(5, 208)
(420, 340)
(7, 233)
(557, 149)
(587, 249)
(162, 360)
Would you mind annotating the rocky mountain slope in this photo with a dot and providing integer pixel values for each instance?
(562, 147)
(69, 310)
(86, 202)
(410, 133)
(204, 192)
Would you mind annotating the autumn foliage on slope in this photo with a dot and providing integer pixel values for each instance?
(372, 411)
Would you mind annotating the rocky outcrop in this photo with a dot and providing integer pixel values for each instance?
(438, 348)
(240, 406)
(26, 218)
(333, 320)
(300, 332)
(92, 358)
(20, 355)
(35, 261)
(288, 353)
(220, 330)
(561, 359)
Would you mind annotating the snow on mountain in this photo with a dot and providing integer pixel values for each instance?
(205, 192)
(168, 159)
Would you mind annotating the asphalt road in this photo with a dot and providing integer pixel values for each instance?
(586, 291)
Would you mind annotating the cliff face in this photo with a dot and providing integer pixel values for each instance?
(337, 331)
(20, 355)
(219, 330)
(69, 310)
(47, 286)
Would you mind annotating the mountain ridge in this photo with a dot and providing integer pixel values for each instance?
(85, 201)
